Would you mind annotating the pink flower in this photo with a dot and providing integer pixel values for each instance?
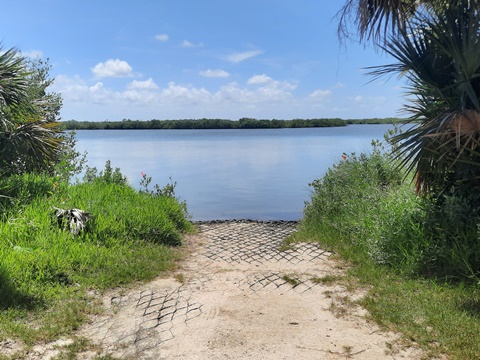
(143, 174)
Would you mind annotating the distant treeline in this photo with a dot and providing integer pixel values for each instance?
(244, 123)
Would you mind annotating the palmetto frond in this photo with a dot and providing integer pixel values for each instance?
(375, 19)
(439, 54)
(28, 137)
(13, 83)
(30, 146)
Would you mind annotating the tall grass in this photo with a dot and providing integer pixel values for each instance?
(366, 203)
(418, 256)
(131, 236)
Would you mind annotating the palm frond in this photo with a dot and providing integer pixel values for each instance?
(13, 79)
(376, 19)
(439, 55)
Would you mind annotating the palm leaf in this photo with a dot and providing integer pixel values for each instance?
(439, 54)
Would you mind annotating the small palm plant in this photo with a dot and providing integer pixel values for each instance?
(28, 135)
(439, 53)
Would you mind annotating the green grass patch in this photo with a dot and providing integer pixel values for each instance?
(417, 257)
(46, 273)
(291, 279)
(326, 280)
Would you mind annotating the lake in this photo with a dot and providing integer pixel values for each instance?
(260, 174)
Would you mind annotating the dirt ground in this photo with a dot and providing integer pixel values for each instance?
(238, 296)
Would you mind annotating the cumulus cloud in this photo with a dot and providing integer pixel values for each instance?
(97, 87)
(320, 93)
(161, 37)
(260, 96)
(178, 100)
(218, 73)
(148, 84)
(267, 84)
(241, 56)
(112, 68)
(259, 79)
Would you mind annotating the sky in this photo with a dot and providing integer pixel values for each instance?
(192, 59)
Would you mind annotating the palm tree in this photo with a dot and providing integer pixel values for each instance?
(437, 48)
(377, 19)
(29, 138)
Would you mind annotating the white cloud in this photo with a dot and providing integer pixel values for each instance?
(97, 87)
(112, 68)
(264, 97)
(320, 93)
(268, 84)
(177, 100)
(259, 79)
(161, 37)
(148, 84)
(218, 73)
(186, 43)
(339, 85)
(182, 93)
(241, 56)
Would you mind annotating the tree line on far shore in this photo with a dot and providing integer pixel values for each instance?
(243, 123)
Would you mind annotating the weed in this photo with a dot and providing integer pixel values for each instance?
(326, 280)
(180, 278)
(418, 257)
(291, 280)
(46, 273)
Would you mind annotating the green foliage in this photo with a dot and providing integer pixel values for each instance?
(43, 266)
(437, 52)
(69, 162)
(20, 190)
(29, 133)
(108, 175)
(243, 123)
(418, 256)
(168, 190)
(364, 205)
(346, 201)
(440, 238)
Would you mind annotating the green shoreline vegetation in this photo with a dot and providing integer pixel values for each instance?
(405, 219)
(243, 123)
(48, 274)
(418, 258)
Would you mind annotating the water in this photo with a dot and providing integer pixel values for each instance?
(260, 174)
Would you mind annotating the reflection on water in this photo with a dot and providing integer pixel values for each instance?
(225, 174)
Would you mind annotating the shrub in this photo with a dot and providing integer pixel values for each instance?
(366, 207)
(346, 201)
(126, 240)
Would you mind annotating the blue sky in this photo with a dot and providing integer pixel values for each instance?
(177, 59)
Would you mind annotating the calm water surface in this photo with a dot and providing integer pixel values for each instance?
(260, 174)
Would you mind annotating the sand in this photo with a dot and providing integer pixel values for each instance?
(236, 295)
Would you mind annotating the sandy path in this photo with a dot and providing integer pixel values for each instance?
(237, 296)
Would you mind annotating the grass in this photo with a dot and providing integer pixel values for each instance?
(416, 258)
(47, 273)
(291, 280)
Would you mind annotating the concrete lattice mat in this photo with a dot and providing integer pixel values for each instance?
(241, 255)
(255, 243)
